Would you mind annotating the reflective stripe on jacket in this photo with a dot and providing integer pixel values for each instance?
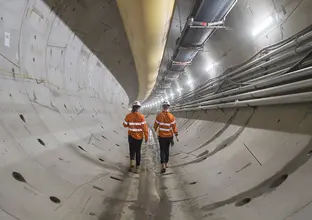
(166, 124)
(136, 124)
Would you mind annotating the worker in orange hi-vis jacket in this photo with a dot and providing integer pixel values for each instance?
(137, 128)
(166, 125)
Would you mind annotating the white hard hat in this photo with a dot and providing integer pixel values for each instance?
(136, 103)
(166, 103)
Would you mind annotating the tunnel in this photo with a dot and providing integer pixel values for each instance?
(237, 74)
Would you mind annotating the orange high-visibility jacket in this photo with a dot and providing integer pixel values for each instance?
(136, 124)
(166, 123)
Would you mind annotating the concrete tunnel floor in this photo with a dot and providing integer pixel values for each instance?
(64, 152)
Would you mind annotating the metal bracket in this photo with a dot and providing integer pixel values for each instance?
(208, 25)
(181, 63)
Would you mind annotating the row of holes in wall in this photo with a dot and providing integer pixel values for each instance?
(242, 202)
(19, 177)
(276, 183)
(42, 143)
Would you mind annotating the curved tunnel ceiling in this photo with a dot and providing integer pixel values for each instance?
(99, 25)
(64, 152)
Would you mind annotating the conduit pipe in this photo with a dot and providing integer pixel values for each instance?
(283, 99)
(260, 77)
(268, 63)
(273, 53)
(277, 80)
(256, 61)
(256, 81)
(146, 23)
(305, 84)
(279, 72)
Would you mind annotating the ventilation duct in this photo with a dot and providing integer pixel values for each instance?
(206, 16)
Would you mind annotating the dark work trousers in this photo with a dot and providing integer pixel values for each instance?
(135, 149)
(164, 144)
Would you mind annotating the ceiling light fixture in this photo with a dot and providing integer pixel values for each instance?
(262, 26)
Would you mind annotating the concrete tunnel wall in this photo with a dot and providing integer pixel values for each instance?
(250, 163)
(55, 96)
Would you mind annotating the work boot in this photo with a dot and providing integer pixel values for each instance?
(131, 166)
(138, 170)
(163, 170)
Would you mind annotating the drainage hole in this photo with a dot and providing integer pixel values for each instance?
(65, 106)
(104, 137)
(102, 127)
(243, 202)
(276, 183)
(34, 59)
(41, 142)
(310, 153)
(115, 178)
(55, 199)
(117, 145)
(18, 177)
(81, 148)
(98, 188)
(22, 117)
(101, 159)
(193, 183)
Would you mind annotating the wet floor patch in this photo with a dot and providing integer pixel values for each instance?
(225, 143)
(218, 134)
(279, 181)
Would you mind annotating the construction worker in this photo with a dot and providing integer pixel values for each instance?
(166, 125)
(137, 128)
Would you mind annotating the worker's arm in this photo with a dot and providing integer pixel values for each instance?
(156, 123)
(145, 129)
(126, 122)
(174, 126)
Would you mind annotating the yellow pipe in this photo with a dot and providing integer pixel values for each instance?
(146, 23)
